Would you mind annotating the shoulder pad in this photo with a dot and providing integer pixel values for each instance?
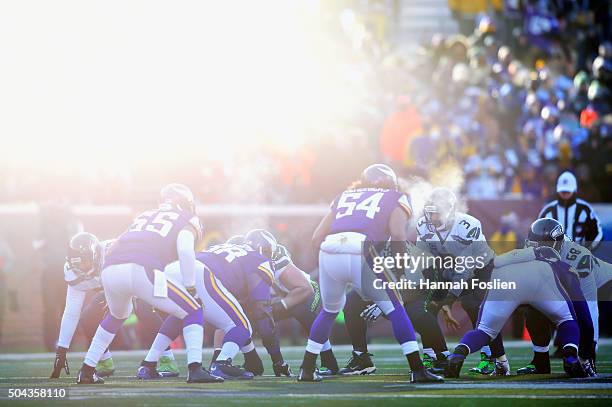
(281, 258)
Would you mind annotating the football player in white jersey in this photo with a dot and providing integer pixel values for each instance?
(446, 232)
(82, 274)
(583, 262)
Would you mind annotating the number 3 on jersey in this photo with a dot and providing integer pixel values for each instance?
(349, 202)
(161, 224)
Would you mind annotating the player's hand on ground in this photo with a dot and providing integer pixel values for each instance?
(451, 322)
(282, 369)
(371, 313)
(60, 363)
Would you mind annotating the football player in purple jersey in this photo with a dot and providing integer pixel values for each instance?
(134, 268)
(370, 211)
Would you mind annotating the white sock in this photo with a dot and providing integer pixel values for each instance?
(314, 347)
(248, 348)
(430, 352)
(158, 347)
(168, 353)
(502, 358)
(100, 342)
(228, 351)
(107, 355)
(409, 347)
(194, 337)
(326, 346)
(357, 352)
(540, 349)
(486, 350)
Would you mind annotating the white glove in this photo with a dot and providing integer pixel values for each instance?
(371, 312)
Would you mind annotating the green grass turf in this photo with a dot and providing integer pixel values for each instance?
(389, 387)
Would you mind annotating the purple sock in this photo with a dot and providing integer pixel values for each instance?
(171, 327)
(568, 333)
(402, 327)
(111, 324)
(322, 326)
(474, 340)
(239, 335)
(195, 317)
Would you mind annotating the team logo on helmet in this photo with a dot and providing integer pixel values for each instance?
(178, 195)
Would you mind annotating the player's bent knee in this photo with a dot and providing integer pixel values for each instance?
(491, 332)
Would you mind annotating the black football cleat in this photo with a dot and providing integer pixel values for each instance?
(455, 363)
(572, 367)
(225, 369)
(88, 378)
(282, 369)
(358, 365)
(198, 374)
(308, 376)
(423, 375)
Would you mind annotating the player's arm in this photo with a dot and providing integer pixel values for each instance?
(70, 319)
(185, 249)
(298, 285)
(322, 230)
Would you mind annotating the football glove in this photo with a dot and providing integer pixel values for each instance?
(282, 369)
(371, 312)
(60, 363)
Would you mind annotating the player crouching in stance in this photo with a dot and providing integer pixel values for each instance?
(225, 276)
(82, 274)
(583, 263)
(542, 281)
(134, 269)
(372, 210)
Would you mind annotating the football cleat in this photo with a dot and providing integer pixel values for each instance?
(589, 368)
(308, 376)
(501, 368)
(148, 373)
(326, 372)
(167, 367)
(197, 374)
(485, 367)
(358, 364)
(282, 369)
(435, 366)
(455, 363)
(529, 369)
(105, 368)
(253, 363)
(572, 367)
(423, 375)
(88, 378)
(225, 369)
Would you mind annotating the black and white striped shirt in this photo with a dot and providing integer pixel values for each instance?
(579, 221)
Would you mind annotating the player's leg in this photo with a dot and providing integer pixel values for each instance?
(390, 303)
(360, 362)
(470, 302)
(117, 281)
(493, 315)
(91, 316)
(540, 331)
(224, 312)
(334, 277)
(435, 351)
(149, 324)
(180, 304)
(306, 313)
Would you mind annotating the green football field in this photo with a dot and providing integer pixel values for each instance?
(388, 387)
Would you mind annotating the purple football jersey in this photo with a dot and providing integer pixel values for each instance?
(239, 268)
(367, 211)
(151, 239)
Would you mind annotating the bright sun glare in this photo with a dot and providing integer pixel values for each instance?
(112, 81)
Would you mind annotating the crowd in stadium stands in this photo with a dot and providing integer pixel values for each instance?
(521, 95)
(522, 98)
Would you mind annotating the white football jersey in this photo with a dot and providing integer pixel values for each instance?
(456, 241)
(581, 260)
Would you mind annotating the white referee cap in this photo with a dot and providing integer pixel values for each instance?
(567, 182)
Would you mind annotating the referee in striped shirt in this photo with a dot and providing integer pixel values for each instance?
(579, 220)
